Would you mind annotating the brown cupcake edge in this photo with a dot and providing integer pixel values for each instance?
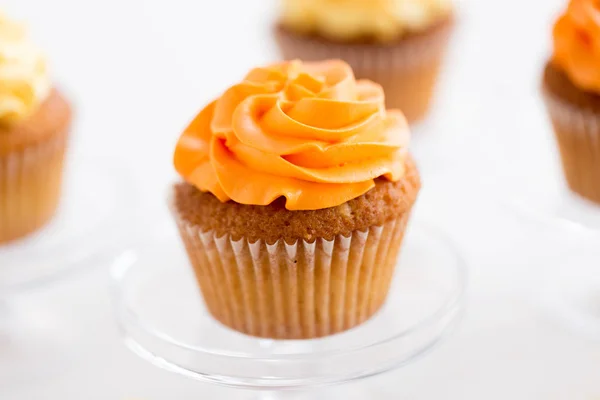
(405, 52)
(559, 88)
(52, 118)
(368, 41)
(575, 116)
(385, 202)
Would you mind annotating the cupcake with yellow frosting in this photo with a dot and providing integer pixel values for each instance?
(297, 190)
(34, 125)
(397, 43)
(571, 87)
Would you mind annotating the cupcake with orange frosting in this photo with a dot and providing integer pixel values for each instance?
(397, 43)
(297, 190)
(571, 87)
(34, 125)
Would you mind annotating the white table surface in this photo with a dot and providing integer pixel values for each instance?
(138, 70)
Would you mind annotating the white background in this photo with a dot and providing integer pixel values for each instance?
(137, 71)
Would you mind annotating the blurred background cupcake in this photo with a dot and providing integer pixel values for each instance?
(292, 232)
(34, 125)
(397, 43)
(571, 87)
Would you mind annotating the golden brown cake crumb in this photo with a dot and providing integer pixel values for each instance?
(387, 200)
(440, 26)
(52, 118)
(558, 84)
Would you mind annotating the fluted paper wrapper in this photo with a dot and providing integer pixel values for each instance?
(294, 291)
(407, 70)
(30, 186)
(578, 135)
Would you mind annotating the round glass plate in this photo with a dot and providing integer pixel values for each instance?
(36, 343)
(544, 197)
(97, 198)
(571, 291)
(527, 177)
(161, 314)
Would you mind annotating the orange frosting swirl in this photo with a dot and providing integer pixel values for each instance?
(577, 43)
(308, 132)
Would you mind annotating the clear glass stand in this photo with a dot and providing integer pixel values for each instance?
(163, 320)
(98, 197)
(571, 293)
(527, 178)
(32, 343)
(572, 290)
(545, 198)
(98, 200)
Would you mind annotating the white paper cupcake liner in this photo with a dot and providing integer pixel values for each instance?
(294, 291)
(30, 183)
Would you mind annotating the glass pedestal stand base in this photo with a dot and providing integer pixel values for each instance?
(160, 312)
(97, 198)
(519, 164)
(572, 294)
(546, 199)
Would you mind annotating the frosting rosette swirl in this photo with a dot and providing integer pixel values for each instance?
(308, 132)
(577, 43)
(385, 20)
(24, 78)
